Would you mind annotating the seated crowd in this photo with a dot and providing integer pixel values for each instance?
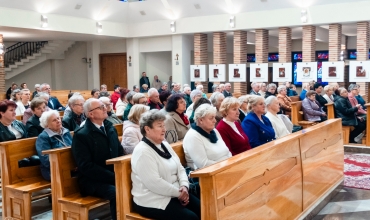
(211, 129)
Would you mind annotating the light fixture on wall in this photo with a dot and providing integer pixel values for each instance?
(87, 61)
(99, 27)
(177, 59)
(129, 60)
(44, 21)
(304, 16)
(173, 26)
(232, 21)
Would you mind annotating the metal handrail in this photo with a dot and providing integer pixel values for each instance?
(21, 50)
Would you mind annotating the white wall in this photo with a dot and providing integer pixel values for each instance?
(113, 46)
(157, 63)
(155, 44)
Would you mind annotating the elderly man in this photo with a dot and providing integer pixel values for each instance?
(136, 88)
(163, 88)
(216, 100)
(111, 116)
(73, 120)
(53, 101)
(187, 98)
(156, 83)
(93, 144)
(200, 88)
(263, 89)
(255, 88)
(176, 88)
(144, 80)
(154, 102)
(28, 113)
(227, 91)
(37, 90)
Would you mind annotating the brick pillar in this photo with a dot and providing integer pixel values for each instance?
(201, 53)
(335, 41)
(219, 49)
(262, 45)
(240, 57)
(363, 50)
(285, 46)
(2, 71)
(308, 43)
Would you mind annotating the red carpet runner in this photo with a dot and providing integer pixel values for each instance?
(357, 170)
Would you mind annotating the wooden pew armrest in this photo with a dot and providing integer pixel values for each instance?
(327, 104)
(56, 150)
(306, 122)
(118, 160)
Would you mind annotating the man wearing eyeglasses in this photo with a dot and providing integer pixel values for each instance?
(94, 143)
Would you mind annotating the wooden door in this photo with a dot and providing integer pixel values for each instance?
(113, 70)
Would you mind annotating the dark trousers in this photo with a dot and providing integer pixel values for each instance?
(360, 127)
(108, 192)
(174, 210)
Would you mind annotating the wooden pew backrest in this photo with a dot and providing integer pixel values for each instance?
(119, 128)
(294, 98)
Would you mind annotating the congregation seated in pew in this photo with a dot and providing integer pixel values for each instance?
(198, 103)
(352, 94)
(281, 127)
(28, 113)
(11, 129)
(284, 100)
(177, 123)
(312, 110)
(53, 136)
(159, 182)
(38, 106)
(53, 101)
(111, 116)
(73, 120)
(194, 96)
(328, 96)
(271, 90)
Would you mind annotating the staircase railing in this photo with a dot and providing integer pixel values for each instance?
(21, 50)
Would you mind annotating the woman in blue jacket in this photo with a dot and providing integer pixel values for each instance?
(255, 125)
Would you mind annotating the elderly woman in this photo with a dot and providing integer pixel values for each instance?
(131, 130)
(271, 90)
(328, 96)
(38, 106)
(95, 93)
(203, 144)
(345, 111)
(73, 120)
(177, 123)
(229, 127)
(273, 107)
(111, 116)
(215, 88)
(353, 92)
(159, 182)
(10, 129)
(122, 102)
(255, 125)
(243, 109)
(198, 103)
(194, 95)
(144, 88)
(53, 136)
(200, 88)
(216, 100)
(16, 95)
(311, 108)
(284, 100)
(28, 113)
(130, 103)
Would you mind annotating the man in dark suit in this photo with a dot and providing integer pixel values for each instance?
(255, 88)
(154, 102)
(53, 101)
(93, 144)
(227, 91)
(144, 80)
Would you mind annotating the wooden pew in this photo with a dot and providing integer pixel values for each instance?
(294, 98)
(19, 117)
(345, 129)
(119, 128)
(297, 115)
(18, 184)
(122, 169)
(282, 179)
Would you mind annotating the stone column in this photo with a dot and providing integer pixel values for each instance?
(201, 53)
(285, 46)
(308, 43)
(240, 57)
(363, 50)
(2, 72)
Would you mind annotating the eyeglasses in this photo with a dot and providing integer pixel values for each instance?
(79, 104)
(102, 107)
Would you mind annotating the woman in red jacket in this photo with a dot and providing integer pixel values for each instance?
(230, 129)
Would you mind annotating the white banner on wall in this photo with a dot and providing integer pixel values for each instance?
(237, 72)
(282, 72)
(359, 71)
(333, 71)
(217, 72)
(198, 73)
(258, 72)
(306, 72)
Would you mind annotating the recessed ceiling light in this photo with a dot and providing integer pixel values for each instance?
(197, 6)
(78, 6)
(142, 13)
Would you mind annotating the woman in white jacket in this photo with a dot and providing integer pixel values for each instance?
(159, 182)
(131, 131)
(122, 102)
(273, 107)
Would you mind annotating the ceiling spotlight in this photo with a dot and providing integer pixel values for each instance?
(99, 27)
(173, 26)
(232, 21)
(304, 16)
(44, 21)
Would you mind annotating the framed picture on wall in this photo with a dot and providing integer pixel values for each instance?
(282, 72)
(359, 71)
(237, 72)
(306, 72)
(217, 72)
(258, 72)
(198, 73)
(333, 71)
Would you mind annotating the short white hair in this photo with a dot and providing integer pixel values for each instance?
(104, 99)
(74, 98)
(186, 88)
(151, 91)
(199, 87)
(44, 119)
(37, 86)
(270, 100)
(194, 93)
(243, 98)
(43, 85)
(280, 88)
(254, 84)
(87, 106)
(227, 84)
(215, 97)
(221, 85)
(203, 110)
(186, 85)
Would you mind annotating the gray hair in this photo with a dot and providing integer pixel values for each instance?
(37, 86)
(135, 87)
(280, 88)
(328, 87)
(74, 99)
(42, 95)
(199, 87)
(352, 86)
(194, 93)
(14, 92)
(243, 98)
(341, 90)
(149, 117)
(104, 99)
(253, 84)
(130, 95)
(203, 110)
(271, 85)
(214, 87)
(215, 97)
(151, 91)
(43, 85)
(44, 119)
(270, 99)
(221, 85)
(87, 105)
(137, 97)
(164, 84)
(186, 88)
